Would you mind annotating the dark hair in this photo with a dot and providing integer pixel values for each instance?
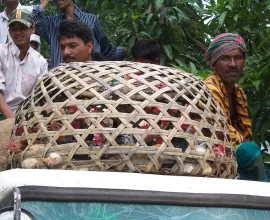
(146, 49)
(75, 28)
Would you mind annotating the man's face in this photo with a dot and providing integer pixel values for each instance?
(75, 50)
(229, 67)
(20, 33)
(34, 45)
(61, 4)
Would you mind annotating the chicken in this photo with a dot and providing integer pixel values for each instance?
(36, 147)
(32, 163)
(189, 167)
(17, 146)
(53, 159)
(207, 170)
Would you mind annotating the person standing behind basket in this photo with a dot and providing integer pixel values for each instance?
(47, 27)
(20, 65)
(226, 55)
(146, 51)
(77, 42)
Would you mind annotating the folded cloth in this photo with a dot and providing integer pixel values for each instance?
(250, 162)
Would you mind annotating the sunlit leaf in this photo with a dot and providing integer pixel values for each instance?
(168, 51)
(149, 18)
(193, 68)
(222, 18)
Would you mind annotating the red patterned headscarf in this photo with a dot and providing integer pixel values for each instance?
(222, 44)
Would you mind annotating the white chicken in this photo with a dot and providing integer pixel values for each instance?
(31, 163)
(189, 167)
(53, 159)
(36, 147)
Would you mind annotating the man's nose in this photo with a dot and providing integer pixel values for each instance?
(232, 62)
(66, 51)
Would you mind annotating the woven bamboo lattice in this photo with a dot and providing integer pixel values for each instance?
(124, 116)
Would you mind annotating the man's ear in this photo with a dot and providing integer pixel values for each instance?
(214, 66)
(90, 46)
(33, 29)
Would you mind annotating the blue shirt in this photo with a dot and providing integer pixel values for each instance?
(47, 28)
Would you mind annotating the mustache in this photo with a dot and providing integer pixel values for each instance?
(232, 70)
(69, 57)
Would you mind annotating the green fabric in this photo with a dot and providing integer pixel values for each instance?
(21, 16)
(250, 163)
(2, 117)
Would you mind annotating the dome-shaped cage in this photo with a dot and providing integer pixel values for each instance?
(123, 116)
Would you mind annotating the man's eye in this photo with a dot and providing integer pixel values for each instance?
(73, 45)
(239, 57)
(224, 58)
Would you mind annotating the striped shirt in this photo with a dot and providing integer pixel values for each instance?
(47, 28)
(240, 130)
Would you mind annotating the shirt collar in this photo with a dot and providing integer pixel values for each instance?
(76, 13)
(4, 13)
(15, 50)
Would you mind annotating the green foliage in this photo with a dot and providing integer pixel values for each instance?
(177, 25)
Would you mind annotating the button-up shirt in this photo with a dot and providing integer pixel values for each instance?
(18, 77)
(47, 27)
(4, 34)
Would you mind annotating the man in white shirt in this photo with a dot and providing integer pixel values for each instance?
(20, 65)
(11, 5)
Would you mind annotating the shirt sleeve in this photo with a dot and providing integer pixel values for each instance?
(41, 21)
(107, 49)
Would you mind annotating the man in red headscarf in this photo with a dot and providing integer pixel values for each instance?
(226, 54)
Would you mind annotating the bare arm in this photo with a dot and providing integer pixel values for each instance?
(4, 108)
(44, 3)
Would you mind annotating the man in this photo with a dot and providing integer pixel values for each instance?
(47, 26)
(11, 5)
(20, 65)
(146, 51)
(226, 54)
(76, 42)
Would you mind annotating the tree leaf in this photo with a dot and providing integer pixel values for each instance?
(229, 7)
(158, 3)
(236, 17)
(246, 28)
(149, 18)
(131, 43)
(256, 83)
(222, 18)
(168, 51)
(135, 26)
(193, 68)
(264, 42)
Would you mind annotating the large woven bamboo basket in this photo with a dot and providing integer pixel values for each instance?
(123, 116)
